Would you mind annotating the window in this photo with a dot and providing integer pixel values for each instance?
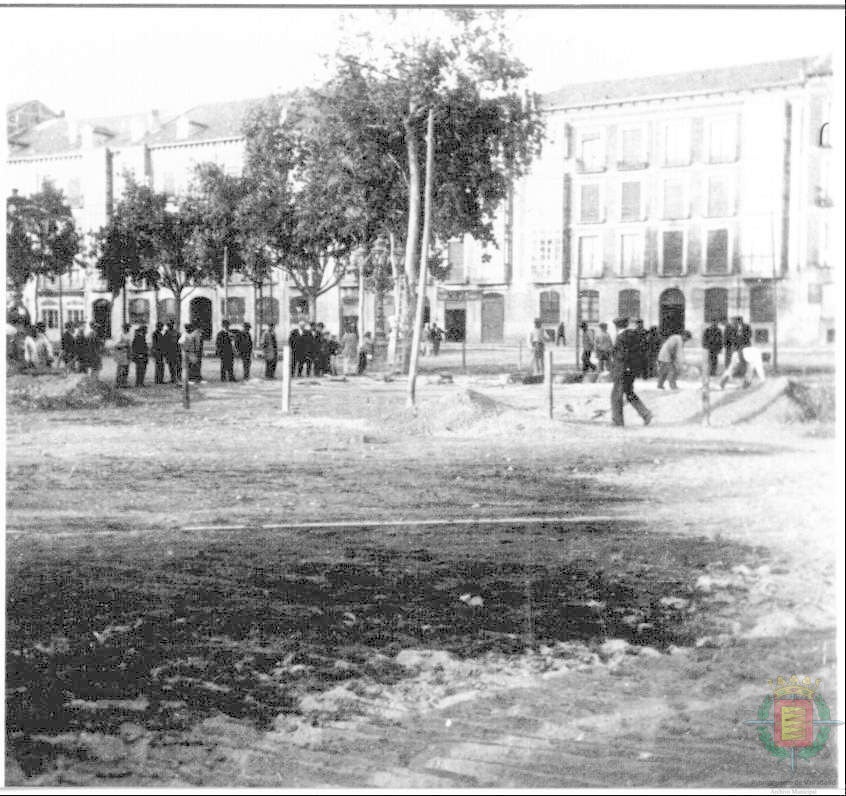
(630, 209)
(590, 256)
(717, 254)
(628, 304)
(675, 204)
(716, 304)
(546, 257)
(677, 143)
(267, 310)
(632, 147)
(76, 316)
(719, 197)
(139, 311)
(631, 255)
(455, 259)
(758, 248)
(761, 304)
(591, 151)
(590, 210)
(166, 310)
(589, 306)
(550, 307)
(51, 318)
(722, 140)
(673, 253)
(233, 309)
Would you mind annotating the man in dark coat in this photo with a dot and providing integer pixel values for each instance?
(69, 348)
(245, 349)
(625, 361)
(224, 349)
(140, 354)
(158, 354)
(712, 342)
(642, 371)
(294, 345)
(730, 342)
(653, 346)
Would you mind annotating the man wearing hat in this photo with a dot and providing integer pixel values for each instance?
(624, 364)
(245, 349)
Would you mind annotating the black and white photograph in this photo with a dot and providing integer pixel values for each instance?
(423, 397)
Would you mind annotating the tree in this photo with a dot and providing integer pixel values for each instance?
(486, 129)
(41, 237)
(298, 213)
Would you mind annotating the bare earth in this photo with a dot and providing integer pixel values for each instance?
(619, 643)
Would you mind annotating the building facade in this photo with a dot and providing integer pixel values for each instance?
(677, 199)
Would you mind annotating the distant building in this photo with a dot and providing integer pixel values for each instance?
(676, 199)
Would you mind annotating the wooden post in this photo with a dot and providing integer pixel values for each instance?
(186, 398)
(286, 380)
(547, 361)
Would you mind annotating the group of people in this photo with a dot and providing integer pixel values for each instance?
(648, 344)
(430, 340)
(315, 351)
(81, 347)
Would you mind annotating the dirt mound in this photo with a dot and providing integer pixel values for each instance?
(458, 411)
(60, 392)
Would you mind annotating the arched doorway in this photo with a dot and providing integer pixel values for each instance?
(200, 312)
(101, 314)
(493, 317)
(671, 312)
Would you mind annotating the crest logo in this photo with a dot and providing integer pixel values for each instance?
(786, 724)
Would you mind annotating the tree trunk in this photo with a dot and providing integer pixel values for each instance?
(395, 275)
(178, 296)
(312, 309)
(361, 328)
(407, 324)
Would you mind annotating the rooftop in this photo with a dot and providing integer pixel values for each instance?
(733, 78)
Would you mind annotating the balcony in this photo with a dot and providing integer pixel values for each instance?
(590, 167)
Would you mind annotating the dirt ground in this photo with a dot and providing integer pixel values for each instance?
(167, 626)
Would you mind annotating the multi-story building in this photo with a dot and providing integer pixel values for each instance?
(677, 199)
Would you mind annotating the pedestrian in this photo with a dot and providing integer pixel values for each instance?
(436, 336)
(94, 349)
(158, 354)
(624, 361)
(653, 346)
(537, 344)
(365, 353)
(712, 342)
(729, 342)
(295, 344)
(643, 349)
(244, 343)
(68, 348)
(31, 349)
(306, 350)
(671, 359)
(334, 352)
(604, 346)
(225, 349)
(560, 337)
(81, 348)
(140, 354)
(122, 350)
(269, 350)
(588, 343)
(318, 366)
(349, 351)
(191, 343)
(197, 343)
(43, 348)
(170, 350)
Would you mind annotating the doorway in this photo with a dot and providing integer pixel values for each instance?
(671, 312)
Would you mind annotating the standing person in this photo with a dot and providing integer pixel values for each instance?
(306, 348)
(269, 350)
(193, 352)
(625, 360)
(244, 343)
(653, 346)
(122, 351)
(224, 348)
(94, 349)
(588, 342)
(730, 342)
(295, 344)
(31, 348)
(712, 342)
(197, 343)
(671, 359)
(318, 350)
(43, 347)
(157, 353)
(349, 351)
(643, 349)
(560, 337)
(140, 354)
(426, 340)
(537, 344)
(604, 347)
(170, 350)
(81, 348)
(68, 348)
(436, 336)
(334, 351)
(365, 353)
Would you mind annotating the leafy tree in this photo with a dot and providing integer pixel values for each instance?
(41, 237)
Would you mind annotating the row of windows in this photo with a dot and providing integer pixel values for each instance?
(675, 200)
(50, 317)
(673, 140)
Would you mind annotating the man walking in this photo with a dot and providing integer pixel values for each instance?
(712, 342)
(224, 349)
(624, 362)
(588, 343)
(604, 346)
(671, 359)
(269, 350)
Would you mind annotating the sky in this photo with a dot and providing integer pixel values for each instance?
(90, 61)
